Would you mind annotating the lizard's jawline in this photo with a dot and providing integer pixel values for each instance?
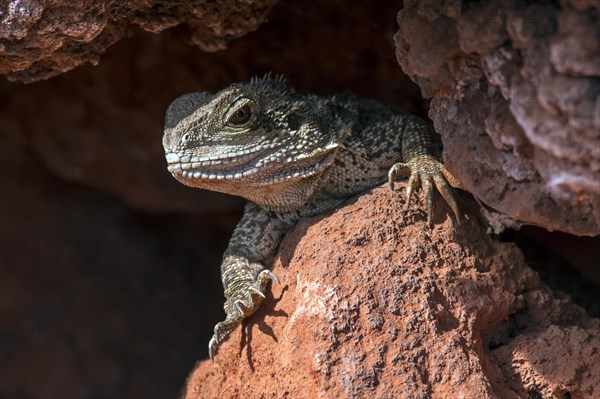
(178, 161)
(289, 174)
(238, 164)
(187, 171)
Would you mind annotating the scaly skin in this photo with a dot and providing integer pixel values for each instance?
(291, 156)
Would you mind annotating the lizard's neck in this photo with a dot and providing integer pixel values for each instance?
(289, 195)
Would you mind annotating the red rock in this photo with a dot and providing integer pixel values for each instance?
(374, 305)
(515, 98)
(40, 39)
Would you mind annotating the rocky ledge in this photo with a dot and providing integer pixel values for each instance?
(374, 304)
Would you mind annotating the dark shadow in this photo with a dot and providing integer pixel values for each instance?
(267, 307)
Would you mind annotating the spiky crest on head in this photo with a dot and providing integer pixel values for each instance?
(277, 81)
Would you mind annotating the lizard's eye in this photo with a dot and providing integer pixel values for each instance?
(240, 116)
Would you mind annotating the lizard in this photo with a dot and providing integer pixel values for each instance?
(291, 156)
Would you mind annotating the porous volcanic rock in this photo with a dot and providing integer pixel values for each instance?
(41, 39)
(515, 94)
(372, 304)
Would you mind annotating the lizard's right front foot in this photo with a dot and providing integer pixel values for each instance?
(244, 295)
(425, 170)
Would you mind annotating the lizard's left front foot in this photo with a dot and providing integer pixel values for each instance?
(244, 296)
(426, 169)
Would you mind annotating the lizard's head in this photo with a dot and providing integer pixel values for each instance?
(255, 140)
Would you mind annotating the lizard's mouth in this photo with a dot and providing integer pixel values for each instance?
(267, 165)
(232, 165)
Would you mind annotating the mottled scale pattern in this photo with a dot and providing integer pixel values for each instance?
(291, 156)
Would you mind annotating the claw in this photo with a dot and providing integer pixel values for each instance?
(428, 194)
(238, 305)
(391, 178)
(399, 169)
(411, 187)
(212, 348)
(446, 192)
(270, 275)
(257, 292)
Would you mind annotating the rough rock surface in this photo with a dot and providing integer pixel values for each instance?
(40, 39)
(515, 94)
(374, 305)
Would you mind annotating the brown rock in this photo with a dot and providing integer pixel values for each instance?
(375, 306)
(516, 101)
(575, 50)
(40, 39)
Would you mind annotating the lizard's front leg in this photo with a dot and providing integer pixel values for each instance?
(421, 150)
(251, 248)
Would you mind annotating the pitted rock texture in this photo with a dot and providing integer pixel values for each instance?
(515, 94)
(41, 39)
(372, 304)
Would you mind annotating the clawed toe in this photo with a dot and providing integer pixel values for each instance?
(269, 274)
(238, 305)
(257, 291)
(212, 348)
(426, 171)
(242, 302)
